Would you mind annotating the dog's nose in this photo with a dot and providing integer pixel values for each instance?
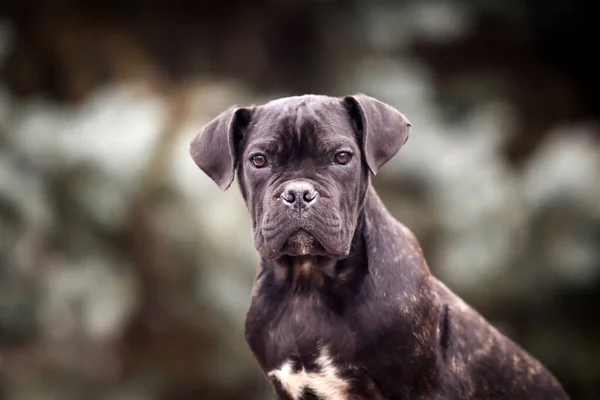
(299, 194)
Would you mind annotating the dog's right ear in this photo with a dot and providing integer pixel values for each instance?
(214, 149)
(382, 129)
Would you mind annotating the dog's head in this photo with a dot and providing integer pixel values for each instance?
(303, 166)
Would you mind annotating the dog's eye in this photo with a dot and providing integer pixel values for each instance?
(343, 157)
(259, 160)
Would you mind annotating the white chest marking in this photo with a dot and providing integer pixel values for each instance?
(325, 383)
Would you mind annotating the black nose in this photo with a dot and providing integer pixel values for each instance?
(300, 194)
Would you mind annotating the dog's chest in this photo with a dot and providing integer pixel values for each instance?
(310, 355)
(320, 378)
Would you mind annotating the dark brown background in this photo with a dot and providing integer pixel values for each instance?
(125, 273)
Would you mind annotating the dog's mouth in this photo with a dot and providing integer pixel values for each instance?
(302, 243)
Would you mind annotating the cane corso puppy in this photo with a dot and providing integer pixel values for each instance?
(344, 305)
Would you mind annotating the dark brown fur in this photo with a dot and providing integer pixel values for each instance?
(344, 273)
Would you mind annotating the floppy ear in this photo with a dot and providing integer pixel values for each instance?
(382, 129)
(214, 149)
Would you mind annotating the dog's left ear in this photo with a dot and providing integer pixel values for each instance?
(382, 129)
(214, 149)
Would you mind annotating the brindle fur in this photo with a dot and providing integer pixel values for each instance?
(364, 290)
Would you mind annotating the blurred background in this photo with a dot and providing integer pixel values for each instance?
(125, 273)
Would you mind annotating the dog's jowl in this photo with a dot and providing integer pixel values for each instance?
(344, 305)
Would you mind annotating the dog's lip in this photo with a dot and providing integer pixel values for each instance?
(302, 242)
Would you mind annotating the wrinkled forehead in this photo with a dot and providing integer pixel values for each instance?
(317, 122)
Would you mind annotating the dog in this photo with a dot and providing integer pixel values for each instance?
(344, 305)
